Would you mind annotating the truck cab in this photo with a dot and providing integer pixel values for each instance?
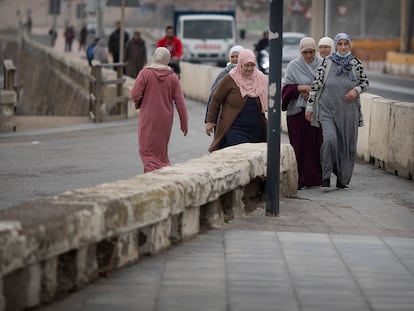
(206, 36)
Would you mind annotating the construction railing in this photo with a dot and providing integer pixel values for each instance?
(103, 107)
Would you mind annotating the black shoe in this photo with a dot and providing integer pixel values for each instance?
(300, 186)
(339, 185)
(326, 184)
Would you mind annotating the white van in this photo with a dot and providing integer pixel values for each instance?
(206, 37)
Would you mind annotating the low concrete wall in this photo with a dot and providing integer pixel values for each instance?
(64, 82)
(400, 64)
(196, 80)
(56, 245)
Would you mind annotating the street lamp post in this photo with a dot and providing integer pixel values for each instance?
(273, 126)
(122, 34)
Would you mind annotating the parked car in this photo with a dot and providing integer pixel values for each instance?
(290, 48)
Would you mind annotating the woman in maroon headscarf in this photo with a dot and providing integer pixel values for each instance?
(240, 101)
(305, 139)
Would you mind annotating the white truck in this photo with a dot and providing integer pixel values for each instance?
(207, 36)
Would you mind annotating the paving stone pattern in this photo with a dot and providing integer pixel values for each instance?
(262, 270)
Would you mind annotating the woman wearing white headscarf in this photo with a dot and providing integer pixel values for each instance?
(155, 92)
(305, 139)
(334, 105)
(233, 57)
(326, 46)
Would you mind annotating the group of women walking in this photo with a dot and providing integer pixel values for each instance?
(320, 94)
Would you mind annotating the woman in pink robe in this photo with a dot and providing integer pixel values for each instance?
(155, 92)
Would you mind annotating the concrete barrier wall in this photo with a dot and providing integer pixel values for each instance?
(400, 64)
(386, 138)
(54, 84)
(196, 80)
(58, 244)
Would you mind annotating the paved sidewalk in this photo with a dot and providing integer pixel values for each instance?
(262, 270)
(341, 250)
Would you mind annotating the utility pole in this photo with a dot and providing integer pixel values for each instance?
(99, 23)
(362, 18)
(122, 34)
(327, 12)
(273, 125)
(317, 21)
(69, 12)
(407, 10)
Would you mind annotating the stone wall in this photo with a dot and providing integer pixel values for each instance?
(53, 246)
(53, 83)
(400, 64)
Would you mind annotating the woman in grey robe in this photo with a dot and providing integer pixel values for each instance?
(305, 139)
(334, 104)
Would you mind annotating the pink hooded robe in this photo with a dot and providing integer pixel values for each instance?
(155, 92)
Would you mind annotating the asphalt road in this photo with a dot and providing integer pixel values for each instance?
(392, 87)
(39, 163)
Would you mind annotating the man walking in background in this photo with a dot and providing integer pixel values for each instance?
(135, 55)
(82, 38)
(174, 45)
(113, 43)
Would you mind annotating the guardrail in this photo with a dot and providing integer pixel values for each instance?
(8, 97)
(9, 75)
(108, 108)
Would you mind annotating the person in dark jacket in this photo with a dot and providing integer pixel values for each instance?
(135, 55)
(113, 43)
(90, 50)
(261, 45)
(82, 38)
(69, 35)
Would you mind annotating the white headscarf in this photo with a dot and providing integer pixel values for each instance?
(236, 48)
(161, 59)
(327, 41)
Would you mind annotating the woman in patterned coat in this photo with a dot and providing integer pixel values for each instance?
(334, 104)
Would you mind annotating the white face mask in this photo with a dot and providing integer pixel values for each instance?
(341, 55)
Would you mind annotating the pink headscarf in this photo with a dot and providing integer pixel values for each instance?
(254, 85)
